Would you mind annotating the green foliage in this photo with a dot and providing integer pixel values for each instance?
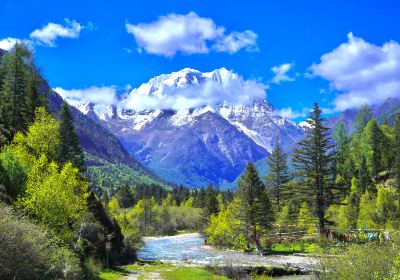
(366, 216)
(396, 148)
(13, 173)
(305, 221)
(43, 136)
(283, 217)
(312, 161)
(69, 148)
(361, 262)
(19, 96)
(364, 115)
(278, 174)
(387, 207)
(225, 230)
(210, 203)
(28, 251)
(147, 217)
(254, 209)
(125, 196)
(56, 198)
(112, 175)
(342, 147)
(374, 141)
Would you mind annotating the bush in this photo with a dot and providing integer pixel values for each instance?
(27, 251)
(363, 262)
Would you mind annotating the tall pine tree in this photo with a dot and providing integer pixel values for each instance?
(312, 161)
(342, 148)
(364, 115)
(19, 91)
(70, 150)
(14, 112)
(396, 150)
(363, 175)
(278, 175)
(374, 142)
(254, 207)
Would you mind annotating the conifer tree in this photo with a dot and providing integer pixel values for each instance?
(34, 97)
(364, 115)
(278, 175)
(374, 142)
(363, 176)
(210, 203)
(254, 207)
(14, 112)
(396, 150)
(342, 149)
(312, 161)
(70, 149)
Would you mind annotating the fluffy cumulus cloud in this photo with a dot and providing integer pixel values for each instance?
(189, 34)
(209, 93)
(98, 95)
(237, 40)
(8, 43)
(51, 31)
(281, 73)
(293, 114)
(362, 72)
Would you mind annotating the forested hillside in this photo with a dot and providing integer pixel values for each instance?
(109, 165)
(52, 224)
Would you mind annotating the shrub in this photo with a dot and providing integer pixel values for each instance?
(27, 251)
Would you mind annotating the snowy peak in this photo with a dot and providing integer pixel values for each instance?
(160, 85)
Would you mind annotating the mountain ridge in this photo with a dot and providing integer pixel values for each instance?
(152, 135)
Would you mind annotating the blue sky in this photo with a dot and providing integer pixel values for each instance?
(100, 50)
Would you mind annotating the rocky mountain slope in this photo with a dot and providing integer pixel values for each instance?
(108, 163)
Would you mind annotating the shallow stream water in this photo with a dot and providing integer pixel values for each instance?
(190, 249)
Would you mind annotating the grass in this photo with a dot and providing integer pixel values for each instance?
(147, 270)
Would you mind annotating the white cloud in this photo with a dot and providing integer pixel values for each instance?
(237, 40)
(293, 114)
(8, 43)
(231, 91)
(281, 73)
(362, 72)
(188, 34)
(98, 95)
(227, 87)
(50, 32)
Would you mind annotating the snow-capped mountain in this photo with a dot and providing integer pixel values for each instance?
(227, 123)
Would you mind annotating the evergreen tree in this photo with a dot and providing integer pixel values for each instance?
(396, 149)
(374, 142)
(363, 176)
(210, 203)
(278, 175)
(34, 97)
(70, 149)
(312, 161)
(14, 112)
(342, 149)
(254, 207)
(364, 115)
(165, 216)
(125, 196)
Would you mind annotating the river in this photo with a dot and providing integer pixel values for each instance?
(190, 249)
